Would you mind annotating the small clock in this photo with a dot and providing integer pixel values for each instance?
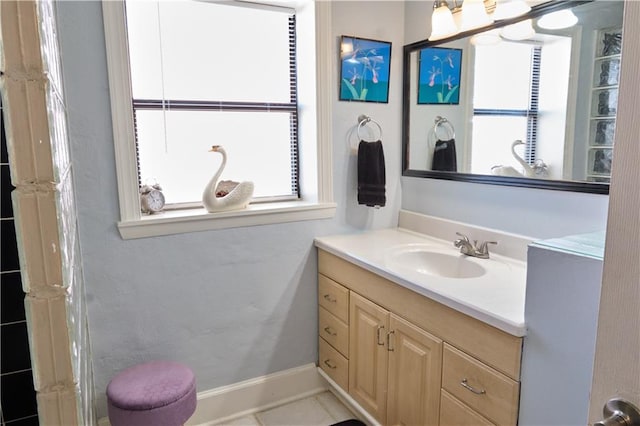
(151, 199)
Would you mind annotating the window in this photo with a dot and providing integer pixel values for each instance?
(208, 73)
(199, 77)
(530, 100)
(505, 103)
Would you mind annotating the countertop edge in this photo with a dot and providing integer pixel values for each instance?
(514, 329)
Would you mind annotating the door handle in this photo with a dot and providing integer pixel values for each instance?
(380, 341)
(618, 412)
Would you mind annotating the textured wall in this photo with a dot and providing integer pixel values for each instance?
(233, 304)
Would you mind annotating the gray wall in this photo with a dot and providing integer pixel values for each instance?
(563, 295)
(536, 213)
(233, 304)
(241, 303)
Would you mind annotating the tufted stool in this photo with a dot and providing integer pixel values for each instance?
(158, 393)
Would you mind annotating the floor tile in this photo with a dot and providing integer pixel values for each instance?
(335, 408)
(242, 421)
(305, 412)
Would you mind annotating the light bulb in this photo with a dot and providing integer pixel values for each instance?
(558, 20)
(442, 24)
(486, 38)
(474, 15)
(507, 9)
(518, 31)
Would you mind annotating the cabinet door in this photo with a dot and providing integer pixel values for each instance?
(368, 356)
(414, 375)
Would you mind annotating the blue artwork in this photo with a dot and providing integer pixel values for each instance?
(439, 81)
(364, 73)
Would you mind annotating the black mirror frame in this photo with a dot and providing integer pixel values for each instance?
(559, 185)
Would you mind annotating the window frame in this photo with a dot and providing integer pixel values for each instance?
(318, 204)
(531, 113)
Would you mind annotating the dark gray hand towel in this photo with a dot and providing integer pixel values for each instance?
(371, 174)
(444, 156)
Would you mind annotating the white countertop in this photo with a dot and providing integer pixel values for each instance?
(496, 298)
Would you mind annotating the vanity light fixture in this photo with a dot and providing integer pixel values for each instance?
(486, 38)
(449, 20)
(518, 31)
(442, 23)
(507, 9)
(558, 20)
(474, 15)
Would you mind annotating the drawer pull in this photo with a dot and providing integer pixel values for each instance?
(380, 341)
(328, 298)
(330, 331)
(329, 364)
(389, 348)
(467, 386)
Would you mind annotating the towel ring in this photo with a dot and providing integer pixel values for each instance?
(363, 120)
(443, 125)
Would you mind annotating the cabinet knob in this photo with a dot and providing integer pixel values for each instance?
(329, 364)
(389, 347)
(328, 298)
(330, 331)
(380, 340)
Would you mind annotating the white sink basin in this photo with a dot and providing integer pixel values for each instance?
(434, 261)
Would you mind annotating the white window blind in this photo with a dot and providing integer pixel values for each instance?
(207, 74)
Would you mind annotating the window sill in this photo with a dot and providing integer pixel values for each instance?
(194, 220)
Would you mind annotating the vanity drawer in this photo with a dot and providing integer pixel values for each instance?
(334, 364)
(482, 388)
(455, 413)
(333, 331)
(334, 298)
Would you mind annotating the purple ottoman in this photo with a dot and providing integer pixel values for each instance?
(158, 393)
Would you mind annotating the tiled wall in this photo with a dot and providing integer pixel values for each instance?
(46, 235)
(16, 380)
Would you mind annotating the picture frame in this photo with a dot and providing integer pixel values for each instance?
(439, 72)
(365, 65)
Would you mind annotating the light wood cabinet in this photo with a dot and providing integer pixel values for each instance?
(480, 387)
(414, 374)
(395, 366)
(411, 360)
(369, 359)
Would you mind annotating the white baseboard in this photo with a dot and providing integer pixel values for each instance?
(347, 400)
(258, 394)
(251, 396)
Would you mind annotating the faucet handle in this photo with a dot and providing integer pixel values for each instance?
(464, 237)
(484, 247)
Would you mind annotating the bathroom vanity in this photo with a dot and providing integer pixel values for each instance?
(426, 346)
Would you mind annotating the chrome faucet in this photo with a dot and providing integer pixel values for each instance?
(472, 249)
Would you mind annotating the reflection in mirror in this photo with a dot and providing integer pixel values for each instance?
(529, 100)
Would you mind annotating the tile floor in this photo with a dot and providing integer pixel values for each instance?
(323, 409)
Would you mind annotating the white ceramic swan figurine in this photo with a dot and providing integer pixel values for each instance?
(238, 196)
(510, 171)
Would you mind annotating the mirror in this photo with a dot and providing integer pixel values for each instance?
(517, 105)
